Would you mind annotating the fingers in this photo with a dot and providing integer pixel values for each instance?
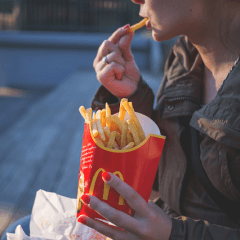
(110, 45)
(123, 38)
(105, 48)
(118, 34)
(116, 217)
(134, 200)
(112, 70)
(111, 57)
(108, 230)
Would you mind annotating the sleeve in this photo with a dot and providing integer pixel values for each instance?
(185, 229)
(142, 99)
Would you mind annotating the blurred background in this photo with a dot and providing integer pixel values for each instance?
(47, 48)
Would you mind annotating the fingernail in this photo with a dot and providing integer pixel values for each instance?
(85, 198)
(82, 219)
(126, 26)
(106, 176)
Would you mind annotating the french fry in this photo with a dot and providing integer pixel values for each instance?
(107, 132)
(98, 114)
(134, 118)
(99, 141)
(83, 112)
(129, 137)
(138, 25)
(130, 104)
(115, 146)
(134, 132)
(118, 138)
(100, 129)
(89, 115)
(124, 134)
(122, 110)
(111, 140)
(118, 121)
(129, 146)
(108, 116)
(103, 118)
(94, 128)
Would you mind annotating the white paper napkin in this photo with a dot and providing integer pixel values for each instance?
(54, 217)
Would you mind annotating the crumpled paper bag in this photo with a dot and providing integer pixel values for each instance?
(54, 217)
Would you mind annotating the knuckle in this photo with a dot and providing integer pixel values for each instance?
(116, 182)
(99, 77)
(105, 43)
(113, 216)
(94, 204)
(115, 54)
(133, 196)
(145, 231)
(114, 65)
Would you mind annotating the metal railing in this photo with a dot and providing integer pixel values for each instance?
(67, 15)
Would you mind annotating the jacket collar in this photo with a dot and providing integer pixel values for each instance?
(220, 119)
(180, 95)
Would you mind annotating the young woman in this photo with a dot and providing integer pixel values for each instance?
(200, 90)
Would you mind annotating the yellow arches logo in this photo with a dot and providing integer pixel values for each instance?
(106, 187)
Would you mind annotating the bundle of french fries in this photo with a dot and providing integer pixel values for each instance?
(112, 131)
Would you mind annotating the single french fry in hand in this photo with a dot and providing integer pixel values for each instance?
(124, 134)
(108, 116)
(83, 112)
(122, 110)
(138, 25)
(103, 117)
(111, 140)
(134, 132)
(134, 118)
(100, 129)
(118, 121)
(130, 145)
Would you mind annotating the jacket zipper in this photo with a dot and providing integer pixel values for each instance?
(170, 100)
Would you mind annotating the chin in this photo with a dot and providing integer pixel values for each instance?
(160, 36)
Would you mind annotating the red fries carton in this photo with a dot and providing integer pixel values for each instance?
(136, 166)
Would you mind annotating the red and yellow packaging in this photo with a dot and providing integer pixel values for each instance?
(136, 166)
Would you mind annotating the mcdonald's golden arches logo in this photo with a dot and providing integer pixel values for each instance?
(106, 187)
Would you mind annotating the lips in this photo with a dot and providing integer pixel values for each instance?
(148, 24)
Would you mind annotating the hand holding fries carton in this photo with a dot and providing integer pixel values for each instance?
(128, 144)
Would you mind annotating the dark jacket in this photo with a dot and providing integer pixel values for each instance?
(195, 214)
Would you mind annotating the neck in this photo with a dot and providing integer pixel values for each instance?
(218, 38)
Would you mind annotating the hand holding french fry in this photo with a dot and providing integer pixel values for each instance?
(115, 66)
(113, 131)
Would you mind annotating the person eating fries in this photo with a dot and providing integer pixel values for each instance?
(198, 110)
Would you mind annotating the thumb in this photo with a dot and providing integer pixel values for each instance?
(125, 46)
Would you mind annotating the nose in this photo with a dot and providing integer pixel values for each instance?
(138, 1)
